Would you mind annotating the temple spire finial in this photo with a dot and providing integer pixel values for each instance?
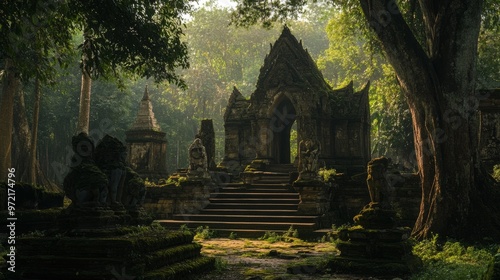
(146, 94)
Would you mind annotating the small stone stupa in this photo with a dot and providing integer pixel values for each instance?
(146, 143)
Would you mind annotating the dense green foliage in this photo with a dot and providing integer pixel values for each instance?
(352, 55)
(453, 260)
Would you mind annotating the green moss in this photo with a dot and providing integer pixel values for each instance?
(369, 267)
(328, 175)
(183, 270)
(30, 196)
(496, 172)
(171, 255)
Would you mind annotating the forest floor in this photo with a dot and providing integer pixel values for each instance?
(264, 260)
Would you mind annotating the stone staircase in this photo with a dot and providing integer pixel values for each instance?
(267, 203)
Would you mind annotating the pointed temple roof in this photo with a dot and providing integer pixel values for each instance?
(236, 106)
(289, 64)
(145, 119)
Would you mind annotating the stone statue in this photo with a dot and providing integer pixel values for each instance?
(308, 159)
(110, 157)
(86, 185)
(134, 191)
(198, 167)
(376, 181)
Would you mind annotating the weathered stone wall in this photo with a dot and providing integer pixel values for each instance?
(189, 197)
(489, 107)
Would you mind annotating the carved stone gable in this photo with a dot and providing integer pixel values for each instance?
(288, 64)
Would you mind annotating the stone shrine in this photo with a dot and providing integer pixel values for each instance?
(146, 143)
(376, 245)
(291, 90)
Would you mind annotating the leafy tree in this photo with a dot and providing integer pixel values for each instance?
(34, 38)
(143, 38)
(351, 56)
(140, 37)
(433, 50)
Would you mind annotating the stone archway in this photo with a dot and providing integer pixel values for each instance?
(283, 117)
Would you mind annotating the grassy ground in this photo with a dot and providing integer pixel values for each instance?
(269, 259)
(290, 258)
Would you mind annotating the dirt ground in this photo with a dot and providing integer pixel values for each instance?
(262, 260)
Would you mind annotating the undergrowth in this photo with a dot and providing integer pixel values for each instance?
(327, 175)
(496, 172)
(288, 236)
(453, 260)
(205, 233)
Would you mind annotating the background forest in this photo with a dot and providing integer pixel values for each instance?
(222, 56)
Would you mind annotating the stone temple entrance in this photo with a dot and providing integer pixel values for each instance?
(290, 89)
(282, 120)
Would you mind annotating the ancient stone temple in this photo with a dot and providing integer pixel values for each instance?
(290, 92)
(489, 137)
(146, 143)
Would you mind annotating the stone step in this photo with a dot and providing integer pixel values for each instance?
(246, 233)
(171, 255)
(247, 218)
(268, 212)
(256, 200)
(184, 270)
(246, 205)
(277, 189)
(218, 225)
(269, 185)
(254, 195)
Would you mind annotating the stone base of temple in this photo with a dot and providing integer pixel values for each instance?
(139, 254)
(87, 218)
(315, 197)
(375, 246)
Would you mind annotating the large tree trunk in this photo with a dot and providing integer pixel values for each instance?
(84, 114)
(22, 147)
(9, 87)
(34, 138)
(439, 88)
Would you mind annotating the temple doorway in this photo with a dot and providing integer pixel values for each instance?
(282, 119)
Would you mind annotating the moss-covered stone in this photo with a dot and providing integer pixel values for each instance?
(374, 217)
(375, 267)
(184, 270)
(31, 220)
(155, 252)
(30, 197)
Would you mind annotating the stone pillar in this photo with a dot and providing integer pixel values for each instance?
(232, 143)
(207, 136)
(264, 138)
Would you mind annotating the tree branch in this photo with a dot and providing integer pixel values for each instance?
(402, 49)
